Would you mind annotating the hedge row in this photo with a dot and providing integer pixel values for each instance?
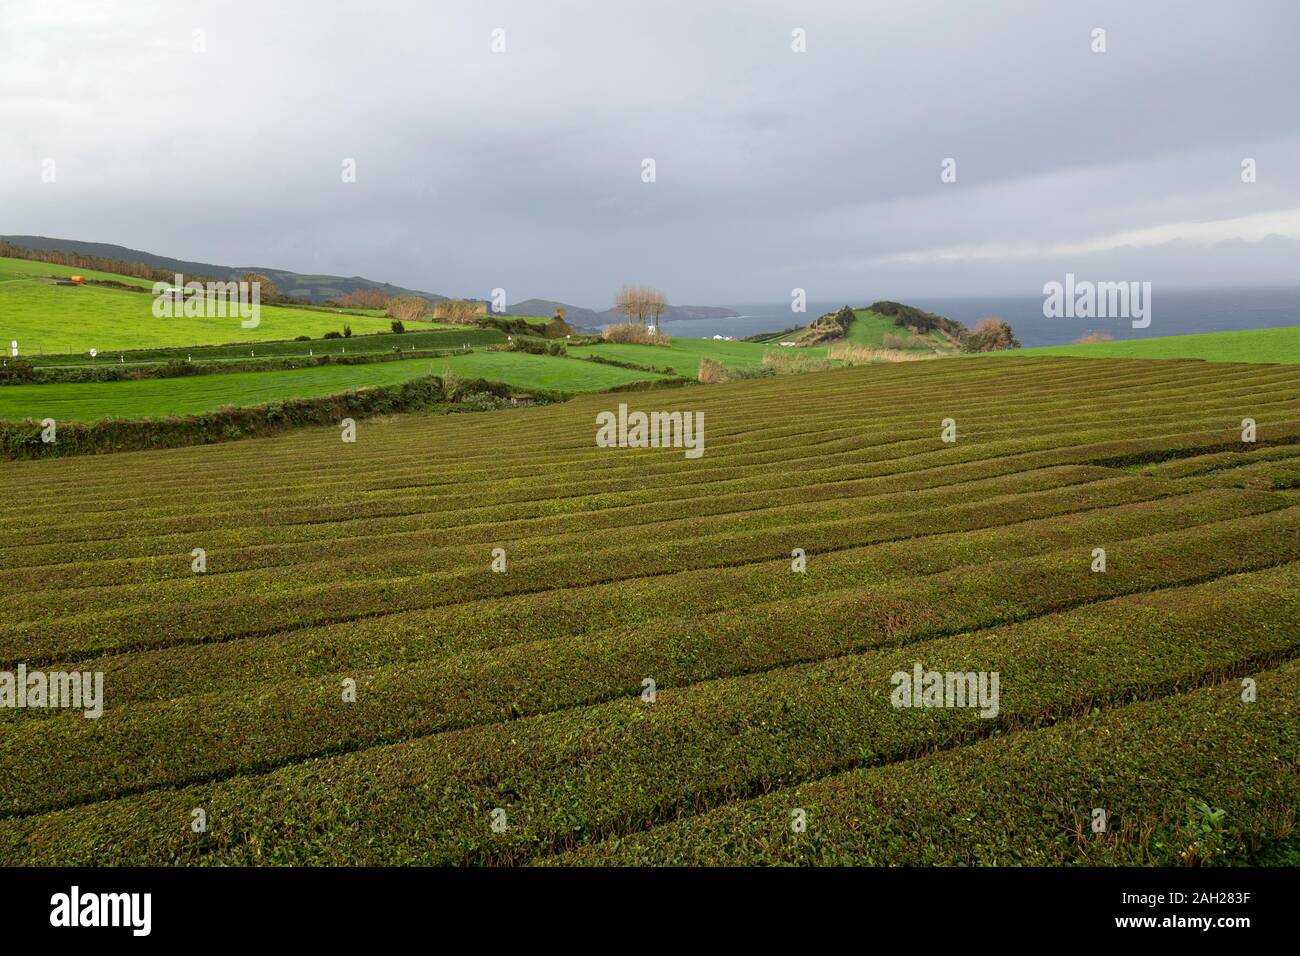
(161, 623)
(598, 612)
(367, 342)
(23, 439)
(1272, 475)
(637, 602)
(715, 451)
(1150, 766)
(552, 493)
(720, 539)
(1038, 420)
(67, 565)
(178, 368)
(265, 724)
(102, 539)
(623, 766)
(1208, 463)
(635, 366)
(480, 690)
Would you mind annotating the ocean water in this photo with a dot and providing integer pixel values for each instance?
(1172, 313)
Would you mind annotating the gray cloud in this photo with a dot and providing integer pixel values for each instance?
(775, 169)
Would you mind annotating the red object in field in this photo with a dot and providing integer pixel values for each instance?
(79, 280)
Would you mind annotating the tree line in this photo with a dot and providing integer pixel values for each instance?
(78, 260)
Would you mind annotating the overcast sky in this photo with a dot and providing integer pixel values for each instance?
(774, 169)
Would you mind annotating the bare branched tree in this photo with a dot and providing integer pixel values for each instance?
(408, 308)
(625, 300)
(655, 303)
(458, 312)
(640, 304)
(363, 299)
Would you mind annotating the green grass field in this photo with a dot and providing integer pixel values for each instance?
(89, 402)
(46, 318)
(520, 693)
(684, 354)
(15, 269)
(1247, 345)
(56, 324)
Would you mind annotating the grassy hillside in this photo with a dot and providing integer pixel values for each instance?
(1247, 345)
(317, 288)
(521, 691)
(866, 329)
(89, 402)
(12, 269)
(869, 330)
(46, 317)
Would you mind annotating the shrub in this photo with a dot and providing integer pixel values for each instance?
(1088, 338)
(363, 299)
(347, 331)
(513, 325)
(760, 371)
(175, 368)
(18, 370)
(333, 335)
(856, 355)
(457, 312)
(712, 372)
(631, 332)
(557, 327)
(409, 308)
(910, 317)
(302, 338)
(397, 326)
(452, 384)
(783, 362)
(989, 335)
(635, 366)
(830, 326)
(482, 402)
(535, 347)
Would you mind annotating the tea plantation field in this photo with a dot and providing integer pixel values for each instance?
(652, 678)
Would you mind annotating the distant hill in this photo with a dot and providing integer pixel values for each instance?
(575, 315)
(685, 313)
(313, 288)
